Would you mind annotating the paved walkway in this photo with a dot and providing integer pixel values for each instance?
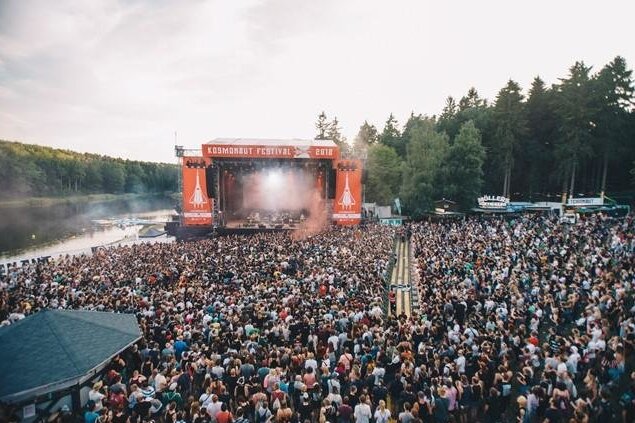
(400, 280)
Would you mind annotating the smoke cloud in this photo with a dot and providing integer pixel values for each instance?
(286, 189)
(278, 189)
(318, 218)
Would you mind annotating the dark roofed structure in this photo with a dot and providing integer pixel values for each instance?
(56, 349)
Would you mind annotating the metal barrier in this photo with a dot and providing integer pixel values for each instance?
(388, 275)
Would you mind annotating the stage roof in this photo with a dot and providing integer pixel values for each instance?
(289, 142)
(53, 349)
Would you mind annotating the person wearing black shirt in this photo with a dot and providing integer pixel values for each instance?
(553, 413)
(379, 392)
(406, 396)
(493, 407)
(605, 409)
(395, 388)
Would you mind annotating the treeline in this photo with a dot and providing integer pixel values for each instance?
(33, 171)
(576, 137)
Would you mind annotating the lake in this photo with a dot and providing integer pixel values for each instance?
(31, 232)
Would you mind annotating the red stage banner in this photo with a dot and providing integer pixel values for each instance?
(197, 206)
(270, 152)
(347, 205)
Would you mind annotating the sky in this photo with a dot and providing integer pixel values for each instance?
(121, 77)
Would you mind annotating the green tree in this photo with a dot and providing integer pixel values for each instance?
(463, 168)
(471, 100)
(510, 127)
(414, 122)
(473, 108)
(113, 177)
(615, 94)
(422, 169)
(448, 118)
(366, 137)
(384, 174)
(334, 134)
(322, 126)
(391, 137)
(134, 177)
(575, 105)
(93, 181)
(537, 151)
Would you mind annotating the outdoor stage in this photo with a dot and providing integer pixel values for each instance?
(251, 185)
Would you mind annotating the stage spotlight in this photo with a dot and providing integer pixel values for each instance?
(273, 179)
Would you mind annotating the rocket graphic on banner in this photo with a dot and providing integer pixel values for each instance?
(347, 207)
(197, 207)
(347, 200)
(198, 199)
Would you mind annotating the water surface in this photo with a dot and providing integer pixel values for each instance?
(31, 232)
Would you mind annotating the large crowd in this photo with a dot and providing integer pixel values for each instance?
(522, 320)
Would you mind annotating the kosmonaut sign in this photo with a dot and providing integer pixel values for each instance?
(197, 206)
(270, 152)
(347, 205)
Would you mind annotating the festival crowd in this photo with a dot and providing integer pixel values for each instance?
(523, 320)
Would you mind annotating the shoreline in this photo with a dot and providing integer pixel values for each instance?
(77, 199)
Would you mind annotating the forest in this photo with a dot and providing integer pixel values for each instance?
(35, 171)
(576, 136)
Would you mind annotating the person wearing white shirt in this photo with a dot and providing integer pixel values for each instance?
(379, 373)
(460, 363)
(96, 396)
(334, 342)
(213, 408)
(160, 382)
(382, 414)
(311, 362)
(205, 398)
(362, 411)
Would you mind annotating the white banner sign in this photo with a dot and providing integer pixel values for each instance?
(197, 214)
(592, 201)
(347, 215)
(493, 202)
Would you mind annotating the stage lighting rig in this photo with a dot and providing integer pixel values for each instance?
(347, 166)
(196, 164)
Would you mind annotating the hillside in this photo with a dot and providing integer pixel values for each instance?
(28, 170)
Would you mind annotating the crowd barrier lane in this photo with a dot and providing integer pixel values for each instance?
(388, 279)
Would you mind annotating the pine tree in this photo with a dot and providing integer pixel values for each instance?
(334, 134)
(422, 169)
(366, 137)
(539, 145)
(509, 128)
(322, 126)
(615, 94)
(471, 99)
(463, 168)
(576, 111)
(384, 174)
(391, 136)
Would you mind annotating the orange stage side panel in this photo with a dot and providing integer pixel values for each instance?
(197, 206)
(347, 205)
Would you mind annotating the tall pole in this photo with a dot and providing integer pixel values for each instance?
(572, 185)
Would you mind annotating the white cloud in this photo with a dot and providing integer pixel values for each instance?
(120, 77)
